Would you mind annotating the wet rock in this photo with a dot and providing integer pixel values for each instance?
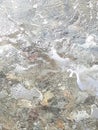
(38, 44)
(59, 103)
(3, 94)
(82, 97)
(47, 96)
(90, 100)
(2, 75)
(24, 103)
(59, 124)
(11, 56)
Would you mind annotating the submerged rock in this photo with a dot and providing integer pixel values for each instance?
(39, 41)
(94, 111)
(3, 94)
(20, 92)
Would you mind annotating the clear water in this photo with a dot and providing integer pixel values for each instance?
(43, 37)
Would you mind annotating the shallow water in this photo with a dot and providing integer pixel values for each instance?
(48, 64)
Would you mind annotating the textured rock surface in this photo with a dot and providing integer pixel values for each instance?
(48, 65)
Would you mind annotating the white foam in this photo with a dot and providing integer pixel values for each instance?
(5, 48)
(90, 42)
(35, 6)
(61, 62)
(87, 78)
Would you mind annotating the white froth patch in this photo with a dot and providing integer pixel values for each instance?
(45, 21)
(89, 42)
(5, 48)
(35, 6)
(61, 62)
(87, 78)
(90, 4)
